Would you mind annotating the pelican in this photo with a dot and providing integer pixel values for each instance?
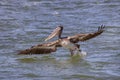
(69, 42)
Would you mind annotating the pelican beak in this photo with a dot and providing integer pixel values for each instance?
(56, 32)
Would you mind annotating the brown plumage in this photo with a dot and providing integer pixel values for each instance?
(67, 42)
(86, 36)
(44, 48)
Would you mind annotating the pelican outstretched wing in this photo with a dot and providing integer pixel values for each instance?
(86, 36)
(56, 32)
(44, 48)
(38, 50)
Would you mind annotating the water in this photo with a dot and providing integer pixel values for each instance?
(24, 23)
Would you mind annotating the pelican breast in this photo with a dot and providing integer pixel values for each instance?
(67, 44)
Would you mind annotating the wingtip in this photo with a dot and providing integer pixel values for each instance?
(101, 28)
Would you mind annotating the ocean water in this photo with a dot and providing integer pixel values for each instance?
(24, 23)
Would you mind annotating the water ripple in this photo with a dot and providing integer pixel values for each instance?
(25, 23)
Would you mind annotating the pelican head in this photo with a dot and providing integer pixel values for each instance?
(56, 32)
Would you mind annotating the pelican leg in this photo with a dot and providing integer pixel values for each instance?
(78, 47)
(75, 48)
(71, 51)
(80, 52)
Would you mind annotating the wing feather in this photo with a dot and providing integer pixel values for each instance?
(44, 48)
(87, 36)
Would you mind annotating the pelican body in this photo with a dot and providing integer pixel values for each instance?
(69, 42)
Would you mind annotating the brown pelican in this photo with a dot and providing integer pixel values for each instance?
(69, 42)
